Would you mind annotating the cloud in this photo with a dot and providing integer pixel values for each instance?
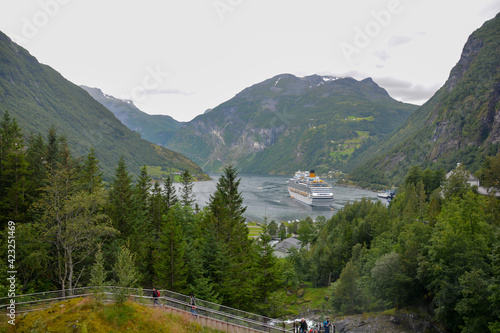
(383, 55)
(399, 40)
(407, 91)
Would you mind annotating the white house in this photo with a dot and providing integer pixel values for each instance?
(471, 179)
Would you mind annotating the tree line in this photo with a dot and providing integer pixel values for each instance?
(64, 211)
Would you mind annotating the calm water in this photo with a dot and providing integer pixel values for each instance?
(266, 195)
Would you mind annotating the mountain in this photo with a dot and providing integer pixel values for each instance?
(157, 129)
(460, 123)
(38, 97)
(287, 123)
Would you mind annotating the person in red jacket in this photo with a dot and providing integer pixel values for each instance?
(156, 294)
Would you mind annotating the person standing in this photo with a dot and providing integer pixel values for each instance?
(156, 294)
(192, 302)
(326, 325)
(303, 326)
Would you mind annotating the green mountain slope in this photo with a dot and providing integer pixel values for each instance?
(460, 123)
(287, 123)
(157, 129)
(38, 97)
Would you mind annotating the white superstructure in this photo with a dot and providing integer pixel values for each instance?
(306, 187)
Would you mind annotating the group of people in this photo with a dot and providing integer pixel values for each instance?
(327, 326)
(303, 327)
(192, 301)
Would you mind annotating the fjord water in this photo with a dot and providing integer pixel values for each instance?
(267, 195)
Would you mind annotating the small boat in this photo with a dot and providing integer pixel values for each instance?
(386, 194)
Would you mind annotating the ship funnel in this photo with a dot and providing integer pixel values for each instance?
(312, 174)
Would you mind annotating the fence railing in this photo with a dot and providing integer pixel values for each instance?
(44, 300)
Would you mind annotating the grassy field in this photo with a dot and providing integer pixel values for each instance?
(81, 315)
(254, 229)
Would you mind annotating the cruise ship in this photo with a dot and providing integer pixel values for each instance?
(306, 187)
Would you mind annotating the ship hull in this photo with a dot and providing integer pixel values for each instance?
(303, 194)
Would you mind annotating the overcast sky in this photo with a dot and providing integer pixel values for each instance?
(183, 57)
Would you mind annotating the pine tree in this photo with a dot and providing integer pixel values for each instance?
(169, 196)
(13, 172)
(35, 156)
(187, 197)
(121, 200)
(226, 204)
(52, 153)
(228, 223)
(141, 201)
(142, 230)
(170, 265)
(91, 175)
(156, 210)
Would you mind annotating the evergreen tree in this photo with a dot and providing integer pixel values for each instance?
(121, 200)
(126, 274)
(141, 227)
(226, 208)
(52, 153)
(13, 172)
(156, 210)
(98, 275)
(91, 175)
(171, 262)
(141, 201)
(268, 277)
(169, 196)
(187, 196)
(226, 205)
(37, 169)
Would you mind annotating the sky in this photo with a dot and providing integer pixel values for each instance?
(180, 58)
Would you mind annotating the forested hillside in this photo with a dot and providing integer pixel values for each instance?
(39, 98)
(460, 123)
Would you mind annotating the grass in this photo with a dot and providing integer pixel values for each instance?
(254, 229)
(343, 149)
(312, 298)
(83, 315)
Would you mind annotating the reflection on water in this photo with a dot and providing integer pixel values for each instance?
(266, 195)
